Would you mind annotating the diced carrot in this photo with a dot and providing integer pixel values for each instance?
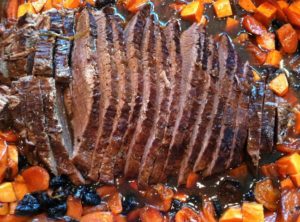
(270, 170)
(283, 4)
(25, 8)
(48, 5)
(38, 5)
(92, 209)
(106, 190)
(12, 9)
(4, 209)
(193, 11)
(20, 190)
(20, 179)
(120, 218)
(192, 180)
(13, 218)
(149, 214)
(288, 38)
(253, 26)
(181, 196)
(71, 4)
(12, 161)
(247, 5)
(273, 58)
(232, 214)
(134, 215)
(12, 207)
(293, 15)
(265, 13)
(242, 38)
(7, 193)
(58, 4)
(252, 212)
(257, 55)
(98, 217)
(279, 85)
(289, 165)
(9, 136)
(177, 6)
(266, 41)
(266, 194)
(136, 5)
(74, 208)
(164, 192)
(296, 179)
(209, 212)
(232, 25)
(3, 159)
(36, 178)
(256, 75)
(115, 203)
(187, 214)
(286, 184)
(222, 8)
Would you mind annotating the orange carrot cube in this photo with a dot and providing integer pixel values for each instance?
(289, 165)
(74, 208)
(280, 86)
(247, 5)
(265, 13)
(252, 212)
(12, 161)
(25, 8)
(20, 190)
(232, 214)
(286, 183)
(232, 25)
(222, 8)
(8, 136)
(149, 214)
(7, 193)
(98, 217)
(288, 38)
(115, 203)
(36, 178)
(266, 41)
(273, 58)
(253, 26)
(71, 4)
(4, 209)
(296, 179)
(193, 11)
(192, 180)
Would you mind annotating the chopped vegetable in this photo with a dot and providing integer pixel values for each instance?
(266, 41)
(265, 13)
(177, 6)
(71, 4)
(270, 170)
(4, 209)
(7, 193)
(247, 5)
(208, 212)
(289, 165)
(253, 26)
(256, 75)
(9, 136)
(192, 180)
(258, 56)
(98, 217)
(252, 212)
(74, 208)
(12, 161)
(232, 214)
(279, 85)
(232, 25)
(296, 179)
(283, 4)
(12, 9)
(186, 214)
(242, 38)
(115, 203)
(135, 5)
(193, 11)
(106, 190)
(288, 38)
(239, 172)
(38, 5)
(25, 8)
(48, 5)
(222, 8)
(36, 178)
(12, 207)
(286, 183)
(149, 214)
(13, 218)
(3, 159)
(20, 189)
(267, 194)
(273, 58)
(293, 13)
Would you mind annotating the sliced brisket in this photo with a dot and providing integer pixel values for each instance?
(85, 92)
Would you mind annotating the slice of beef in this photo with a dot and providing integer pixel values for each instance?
(163, 84)
(173, 45)
(134, 35)
(205, 135)
(85, 92)
(206, 59)
(189, 43)
(109, 81)
(255, 121)
(149, 109)
(33, 120)
(57, 129)
(242, 118)
(230, 121)
(4, 106)
(124, 98)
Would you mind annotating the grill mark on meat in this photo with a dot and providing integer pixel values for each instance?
(111, 78)
(120, 125)
(85, 92)
(173, 45)
(241, 123)
(164, 81)
(255, 121)
(224, 146)
(134, 33)
(203, 139)
(57, 130)
(148, 112)
(205, 60)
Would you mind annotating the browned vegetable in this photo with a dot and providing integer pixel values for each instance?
(74, 208)
(253, 26)
(36, 178)
(279, 85)
(288, 38)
